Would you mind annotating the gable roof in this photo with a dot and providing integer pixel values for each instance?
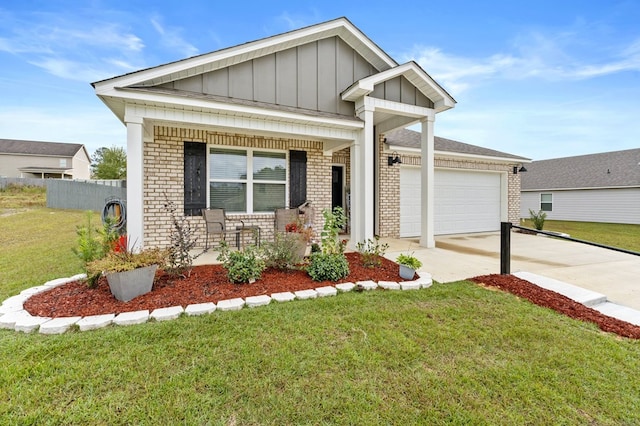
(115, 90)
(49, 149)
(226, 57)
(411, 139)
(415, 74)
(603, 170)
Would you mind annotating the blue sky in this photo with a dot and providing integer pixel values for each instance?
(540, 79)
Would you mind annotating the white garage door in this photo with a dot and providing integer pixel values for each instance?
(464, 202)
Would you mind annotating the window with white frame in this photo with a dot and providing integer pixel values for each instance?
(546, 202)
(247, 180)
(63, 162)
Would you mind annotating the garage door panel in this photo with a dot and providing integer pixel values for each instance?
(465, 201)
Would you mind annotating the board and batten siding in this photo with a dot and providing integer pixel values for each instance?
(310, 76)
(620, 205)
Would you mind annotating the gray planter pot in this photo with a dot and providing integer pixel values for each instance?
(129, 284)
(406, 272)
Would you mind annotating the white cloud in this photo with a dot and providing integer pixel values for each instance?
(534, 56)
(171, 38)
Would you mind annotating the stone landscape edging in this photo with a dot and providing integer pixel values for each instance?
(13, 316)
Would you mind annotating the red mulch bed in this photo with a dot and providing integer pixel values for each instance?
(209, 283)
(551, 299)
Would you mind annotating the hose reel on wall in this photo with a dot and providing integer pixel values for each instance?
(115, 209)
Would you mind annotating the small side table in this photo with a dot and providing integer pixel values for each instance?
(253, 228)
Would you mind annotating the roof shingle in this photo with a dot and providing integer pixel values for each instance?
(411, 139)
(604, 170)
(56, 149)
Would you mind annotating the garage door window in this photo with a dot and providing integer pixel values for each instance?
(546, 202)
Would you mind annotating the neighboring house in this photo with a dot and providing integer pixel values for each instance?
(587, 188)
(296, 117)
(475, 188)
(43, 160)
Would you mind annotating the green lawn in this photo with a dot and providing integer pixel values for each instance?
(612, 234)
(452, 354)
(35, 246)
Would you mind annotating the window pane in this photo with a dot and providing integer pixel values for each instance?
(269, 166)
(545, 198)
(545, 207)
(267, 197)
(228, 164)
(229, 196)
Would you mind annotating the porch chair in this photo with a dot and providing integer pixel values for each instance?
(215, 220)
(283, 217)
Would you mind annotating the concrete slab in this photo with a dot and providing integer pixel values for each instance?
(27, 324)
(410, 285)
(286, 296)
(305, 294)
(9, 320)
(389, 285)
(10, 307)
(58, 325)
(166, 314)
(255, 301)
(200, 308)
(367, 285)
(579, 294)
(231, 304)
(458, 257)
(132, 318)
(345, 287)
(326, 291)
(34, 290)
(618, 311)
(94, 322)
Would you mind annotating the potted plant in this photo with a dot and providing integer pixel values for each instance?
(409, 264)
(129, 274)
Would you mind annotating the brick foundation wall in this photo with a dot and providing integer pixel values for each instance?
(164, 178)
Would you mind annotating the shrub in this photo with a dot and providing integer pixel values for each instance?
(334, 221)
(328, 267)
(242, 266)
(371, 251)
(180, 259)
(283, 252)
(537, 219)
(126, 260)
(94, 244)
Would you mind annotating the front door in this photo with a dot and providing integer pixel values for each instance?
(337, 186)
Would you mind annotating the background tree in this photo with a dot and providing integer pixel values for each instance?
(109, 163)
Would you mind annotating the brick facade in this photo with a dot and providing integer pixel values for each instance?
(389, 185)
(164, 179)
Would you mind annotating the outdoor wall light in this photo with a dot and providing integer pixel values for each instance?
(394, 158)
(522, 169)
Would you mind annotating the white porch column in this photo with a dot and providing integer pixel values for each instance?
(362, 175)
(427, 187)
(135, 182)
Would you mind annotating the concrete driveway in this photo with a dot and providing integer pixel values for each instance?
(456, 257)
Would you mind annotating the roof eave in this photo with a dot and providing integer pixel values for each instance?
(412, 72)
(222, 58)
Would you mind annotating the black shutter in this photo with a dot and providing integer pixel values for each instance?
(195, 178)
(297, 178)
